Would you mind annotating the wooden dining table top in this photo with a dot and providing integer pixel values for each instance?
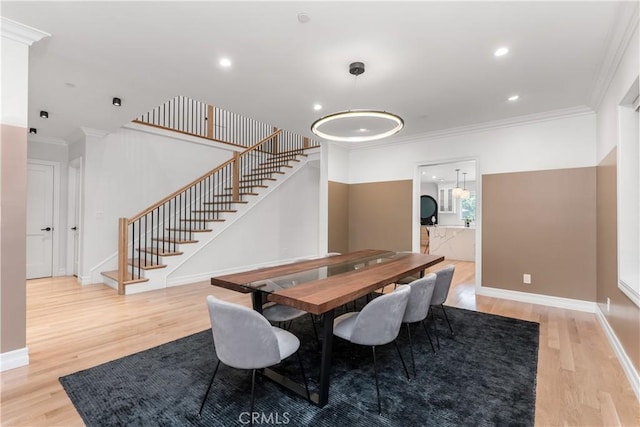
(324, 294)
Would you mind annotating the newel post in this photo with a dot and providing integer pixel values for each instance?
(210, 121)
(235, 191)
(123, 238)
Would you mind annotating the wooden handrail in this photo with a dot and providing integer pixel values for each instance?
(200, 178)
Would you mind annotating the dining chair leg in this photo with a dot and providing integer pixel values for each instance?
(406, 371)
(447, 318)
(208, 388)
(375, 374)
(413, 362)
(428, 336)
(435, 328)
(304, 376)
(253, 387)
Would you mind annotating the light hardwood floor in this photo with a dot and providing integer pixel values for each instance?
(72, 327)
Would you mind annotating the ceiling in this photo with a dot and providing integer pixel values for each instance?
(432, 63)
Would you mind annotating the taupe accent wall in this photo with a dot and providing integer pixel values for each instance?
(542, 223)
(380, 215)
(13, 232)
(338, 239)
(624, 315)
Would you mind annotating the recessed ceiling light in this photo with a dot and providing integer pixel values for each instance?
(513, 98)
(363, 129)
(501, 51)
(44, 114)
(117, 102)
(434, 177)
(69, 84)
(317, 107)
(225, 62)
(33, 130)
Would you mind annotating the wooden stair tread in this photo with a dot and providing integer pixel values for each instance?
(174, 240)
(214, 211)
(250, 186)
(231, 195)
(225, 203)
(264, 173)
(202, 220)
(159, 252)
(113, 275)
(190, 230)
(144, 264)
(257, 179)
(284, 165)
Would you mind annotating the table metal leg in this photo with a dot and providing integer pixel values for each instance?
(256, 299)
(325, 363)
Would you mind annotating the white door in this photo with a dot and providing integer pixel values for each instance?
(39, 221)
(74, 216)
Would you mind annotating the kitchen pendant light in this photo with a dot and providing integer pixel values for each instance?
(457, 192)
(465, 193)
(357, 125)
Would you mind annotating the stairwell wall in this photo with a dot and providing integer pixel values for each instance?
(280, 227)
(124, 173)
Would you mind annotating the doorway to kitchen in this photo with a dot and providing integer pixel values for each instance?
(451, 227)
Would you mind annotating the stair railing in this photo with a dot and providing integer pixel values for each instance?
(158, 230)
(195, 118)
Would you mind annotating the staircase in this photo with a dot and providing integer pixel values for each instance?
(159, 239)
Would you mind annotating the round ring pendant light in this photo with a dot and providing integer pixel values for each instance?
(357, 125)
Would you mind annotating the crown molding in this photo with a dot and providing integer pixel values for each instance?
(21, 33)
(98, 133)
(479, 127)
(46, 140)
(625, 25)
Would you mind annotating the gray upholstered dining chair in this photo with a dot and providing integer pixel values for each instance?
(281, 314)
(418, 308)
(444, 277)
(244, 339)
(378, 323)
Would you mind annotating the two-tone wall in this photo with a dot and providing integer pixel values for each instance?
(16, 39)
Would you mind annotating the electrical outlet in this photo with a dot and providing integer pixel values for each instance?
(526, 279)
(608, 304)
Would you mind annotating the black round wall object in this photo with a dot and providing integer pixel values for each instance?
(428, 210)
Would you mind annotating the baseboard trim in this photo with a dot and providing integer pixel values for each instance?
(551, 301)
(14, 359)
(627, 365)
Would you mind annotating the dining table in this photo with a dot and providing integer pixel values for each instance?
(320, 286)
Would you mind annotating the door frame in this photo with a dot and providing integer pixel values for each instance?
(415, 231)
(56, 268)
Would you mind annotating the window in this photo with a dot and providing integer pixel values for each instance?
(468, 207)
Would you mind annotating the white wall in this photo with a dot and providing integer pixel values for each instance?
(337, 163)
(13, 107)
(550, 144)
(124, 173)
(282, 226)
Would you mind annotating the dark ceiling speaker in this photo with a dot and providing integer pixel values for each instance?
(356, 68)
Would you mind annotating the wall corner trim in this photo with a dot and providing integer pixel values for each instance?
(627, 365)
(548, 300)
(14, 359)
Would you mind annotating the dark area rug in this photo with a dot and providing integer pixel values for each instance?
(483, 375)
